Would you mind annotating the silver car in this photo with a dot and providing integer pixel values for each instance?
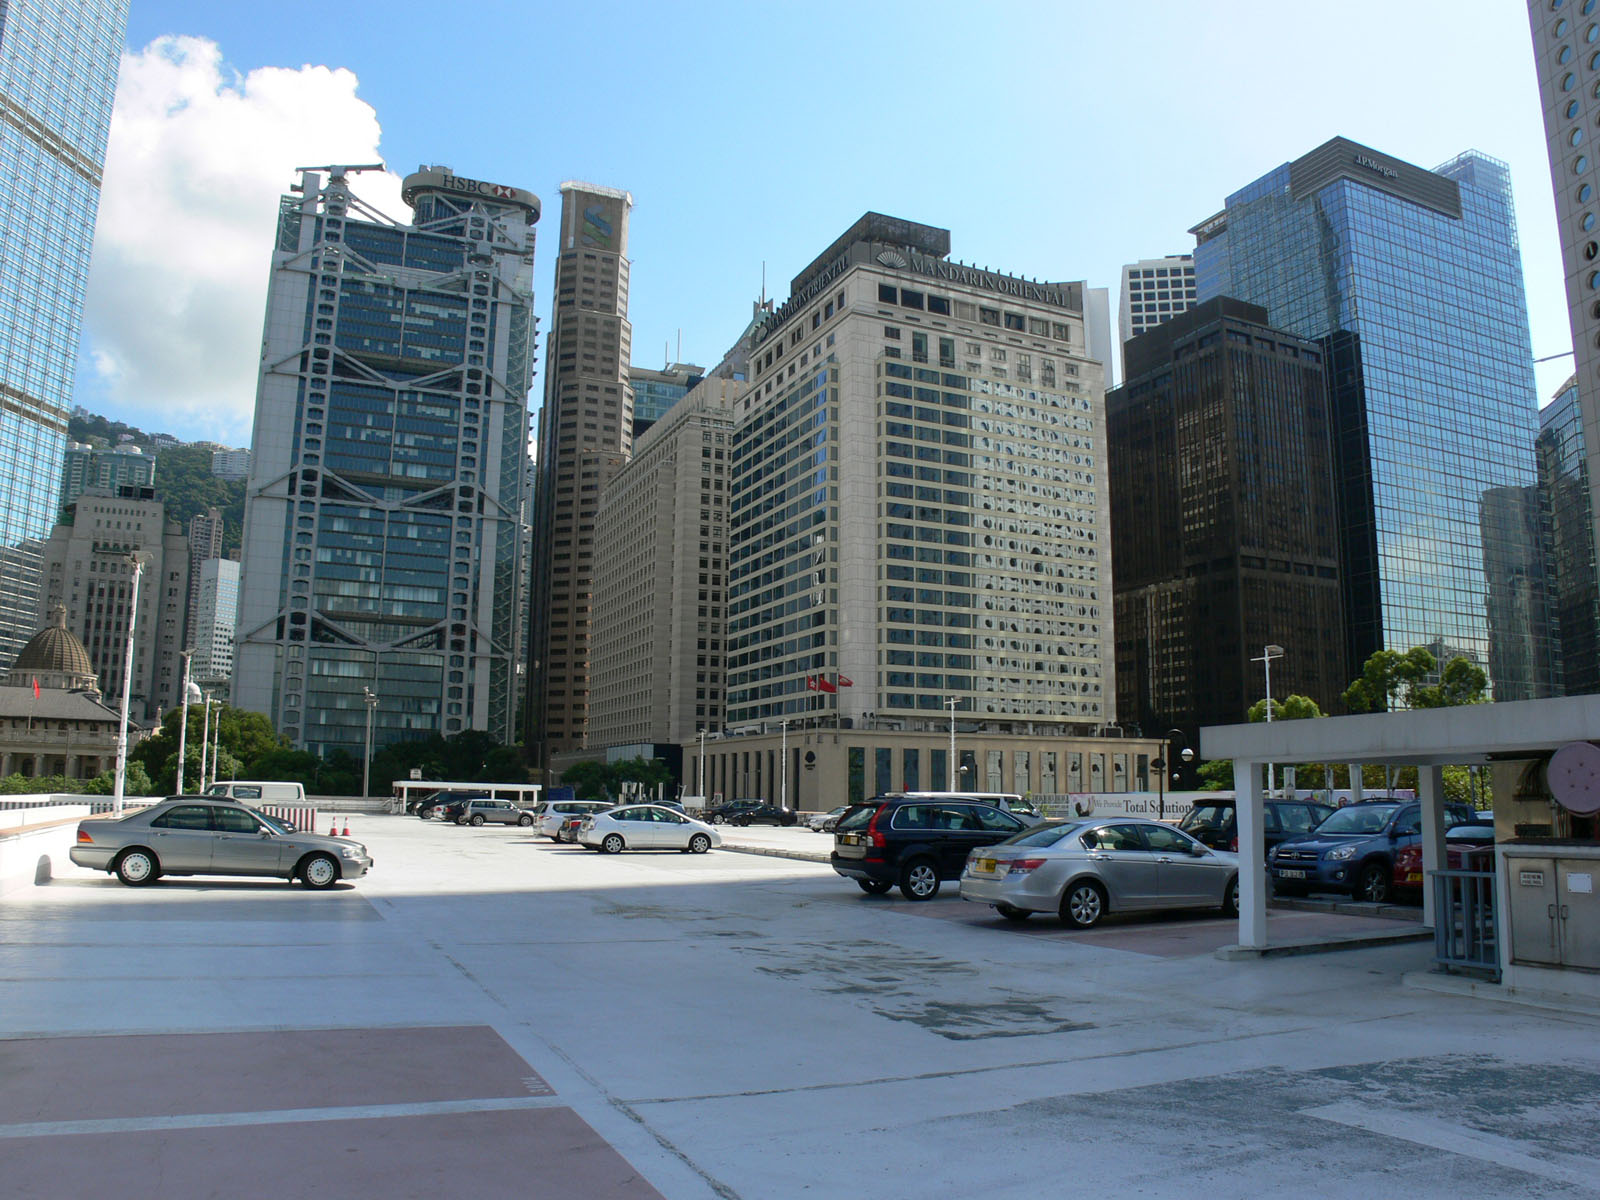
(552, 813)
(191, 835)
(503, 812)
(1085, 869)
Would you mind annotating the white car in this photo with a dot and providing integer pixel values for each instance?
(646, 827)
(552, 813)
(824, 822)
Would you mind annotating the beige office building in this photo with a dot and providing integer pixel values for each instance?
(88, 572)
(660, 573)
(585, 437)
(919, 530)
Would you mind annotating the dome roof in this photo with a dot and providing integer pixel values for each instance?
(55, 648)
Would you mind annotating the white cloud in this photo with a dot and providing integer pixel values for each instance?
(197, 159)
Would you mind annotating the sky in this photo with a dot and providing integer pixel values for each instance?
(1055, 140)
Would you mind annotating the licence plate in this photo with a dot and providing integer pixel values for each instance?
(1291, 874)
(1413, 876)
(849, 839)
(986, 865)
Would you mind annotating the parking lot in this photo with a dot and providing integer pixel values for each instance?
(490, 1015)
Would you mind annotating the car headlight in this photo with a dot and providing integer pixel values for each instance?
(1341, 853)
(352, 851)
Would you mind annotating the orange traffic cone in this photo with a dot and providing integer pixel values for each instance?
(346, 832)
(333, 830)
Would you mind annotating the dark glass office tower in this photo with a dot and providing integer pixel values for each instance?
(382, 527)
(1413, 280)
(1565, 497)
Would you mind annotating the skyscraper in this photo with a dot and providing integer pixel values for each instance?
(655, 392)
(382, 540)
(1566, 500)
(58, 76)
(215, 619)
(205, 543)
(585, 436)
(86, 467)
(1154, 290)
(1413, 281)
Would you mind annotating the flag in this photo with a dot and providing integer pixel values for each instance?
(811, 683)
(35, 687)
(824, 686)
(846, 681)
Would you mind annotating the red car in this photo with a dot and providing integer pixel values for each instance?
(1467, 848)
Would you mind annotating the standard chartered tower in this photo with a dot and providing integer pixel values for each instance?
(381, 534)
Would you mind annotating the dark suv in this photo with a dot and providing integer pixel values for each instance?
(1215, 822)
(1353, 850)
(914, 841)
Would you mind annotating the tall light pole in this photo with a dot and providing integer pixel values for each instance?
(1268, 653)
(205, 742)
(783, 764)
(951, 702)
(216, 739)
(127, 687)
(703, 792)
(371, 701)
(183, 721)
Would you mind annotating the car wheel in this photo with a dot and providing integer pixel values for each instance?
(1374, 881)
(611, 844)
(873, 887)
(919, 880)
(319, 871)
(477, 819)
(556, 838)
(1230, 899)
(699, 844)
(1012, 913)
(136, 868)
(1084, 904)
(716, 818)
(424, 813)
(524, 820)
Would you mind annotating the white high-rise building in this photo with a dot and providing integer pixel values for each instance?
(1154, 290)
(216, 617)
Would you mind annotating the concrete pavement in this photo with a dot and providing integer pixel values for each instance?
(490, 1015)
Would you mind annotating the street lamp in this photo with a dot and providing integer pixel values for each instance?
(783, 765)
(1268, 653)
(950, 703)
(702, 780)
(205, 741)
(183, 721)
(371, 701)
(1161, 765)
(216, 740)
(127, 687)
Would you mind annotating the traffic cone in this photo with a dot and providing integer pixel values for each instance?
(346, 832)
(333, 830)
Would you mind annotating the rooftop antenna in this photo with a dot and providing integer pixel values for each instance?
(763, 281)
(680, 343)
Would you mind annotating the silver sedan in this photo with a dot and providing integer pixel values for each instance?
(193, 835)
(1085, 869)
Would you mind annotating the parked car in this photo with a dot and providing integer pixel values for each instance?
(646, 827)
(1468, 847)
(1011, 802)
(764, 814)
(182, 835)
(913, 842)
(430, 806)
(824, 822)
(554, 812)
(1353, 851)
(570, 824)
(500, 812)
(1084, 869)
(723, 813)
(1215, 822)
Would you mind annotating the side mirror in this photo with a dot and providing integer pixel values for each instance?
(1196, 850)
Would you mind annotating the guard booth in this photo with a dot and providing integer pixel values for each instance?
(1534, 923)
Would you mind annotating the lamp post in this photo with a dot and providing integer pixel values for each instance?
(183, 722)
(205, 741)
(950, 703)
(1161, 766)
(1268, 653)
(127, 687)
(216, 740)
(702, 781)
(783, 764)
(371, 701)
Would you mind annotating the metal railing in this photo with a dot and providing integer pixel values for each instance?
(1464, 925)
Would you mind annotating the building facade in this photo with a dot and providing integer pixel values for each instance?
(1413, 280)
(655, 392)
(230, 464)
(1567, 63)
(216, 617)
(1154, 290)
(84, 467)
(88, 572)
(205, 542)
(585, 436)
(1223, 529)
(382, 542)
(918, 514)
(58, 76)
(1566, 499)
(660, 570)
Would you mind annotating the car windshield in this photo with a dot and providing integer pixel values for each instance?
(271, 823)
(1044, 835)
(1359, 818)
(1208, 816)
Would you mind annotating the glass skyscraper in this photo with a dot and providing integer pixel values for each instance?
(382, 540)
(1412, 279)
(58, 76)
(1566, 498)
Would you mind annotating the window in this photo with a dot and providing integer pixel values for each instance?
(887, 294)
(989, 316)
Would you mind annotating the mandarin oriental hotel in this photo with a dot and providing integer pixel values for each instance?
(382, 545)
(918, 526)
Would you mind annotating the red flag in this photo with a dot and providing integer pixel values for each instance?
(824, 686)
(811, 683)
(35, 687)
(846, 681)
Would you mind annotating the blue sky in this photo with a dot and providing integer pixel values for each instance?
(1056, 140)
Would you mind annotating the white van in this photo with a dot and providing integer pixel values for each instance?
(259, 791)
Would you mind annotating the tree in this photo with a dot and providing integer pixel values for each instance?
(1461, 682)
(244, 737)
(587, 779)
(1390, 680)
(1293, 708)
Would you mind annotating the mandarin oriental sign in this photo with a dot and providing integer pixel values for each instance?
(939, 268)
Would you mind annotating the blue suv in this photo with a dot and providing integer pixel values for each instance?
(1353, 850)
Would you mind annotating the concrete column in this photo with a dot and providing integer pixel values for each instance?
(1430, 790)
(1355, 783)
(1252, 853)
